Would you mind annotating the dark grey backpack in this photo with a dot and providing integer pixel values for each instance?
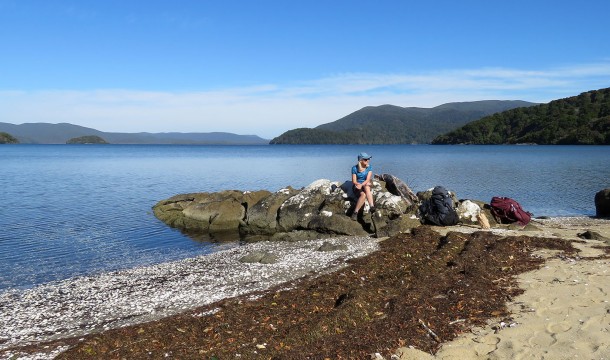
(439, 209)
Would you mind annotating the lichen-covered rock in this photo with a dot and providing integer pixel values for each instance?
(391, 205)
(296, 212)
(468, 212)
(262, 217)
(398, 187)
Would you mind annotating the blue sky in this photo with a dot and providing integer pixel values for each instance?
(264, 67)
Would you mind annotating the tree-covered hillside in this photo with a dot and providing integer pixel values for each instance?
(388, 124)
(6, 138)
(582, 119)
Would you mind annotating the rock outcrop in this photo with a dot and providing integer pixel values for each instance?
(314, 212)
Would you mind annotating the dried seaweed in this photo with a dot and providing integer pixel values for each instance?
(419, 290)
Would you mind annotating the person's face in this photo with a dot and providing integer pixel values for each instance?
(365, 162)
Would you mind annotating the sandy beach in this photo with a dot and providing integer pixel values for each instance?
(563, 314)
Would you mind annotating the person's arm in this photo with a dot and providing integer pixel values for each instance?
(368, 180)
(355, 181)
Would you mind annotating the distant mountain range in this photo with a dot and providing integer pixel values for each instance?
(582, 119)
(389, 124)
(578, 120)
(45, 133)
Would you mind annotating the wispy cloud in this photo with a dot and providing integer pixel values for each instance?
(270, 109)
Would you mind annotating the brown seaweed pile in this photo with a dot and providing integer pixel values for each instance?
(419, 289)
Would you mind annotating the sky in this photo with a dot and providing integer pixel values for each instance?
(264, 67)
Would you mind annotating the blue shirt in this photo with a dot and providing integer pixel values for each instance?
(361, 176)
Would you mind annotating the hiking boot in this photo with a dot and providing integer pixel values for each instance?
(373, 209)
(354, 216)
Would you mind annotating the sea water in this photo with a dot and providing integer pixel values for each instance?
(70, 210)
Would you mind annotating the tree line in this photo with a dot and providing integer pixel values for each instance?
(577, 120)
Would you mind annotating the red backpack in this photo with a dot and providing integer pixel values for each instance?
(508, 211)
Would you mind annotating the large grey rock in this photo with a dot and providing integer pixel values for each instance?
(260, 257)
(602, 203)
(398, 187)
(262, 217)
(212, 212)
(336, 225)
(390, 227)
(326, 246)
(296, 212)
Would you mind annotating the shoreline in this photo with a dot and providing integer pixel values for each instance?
(121, 296)
(92, 304)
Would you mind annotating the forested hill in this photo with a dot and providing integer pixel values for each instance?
(582, 119)
(388, 124)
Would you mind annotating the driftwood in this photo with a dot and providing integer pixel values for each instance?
(434, 336)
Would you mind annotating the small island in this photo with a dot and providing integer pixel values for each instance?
(6, 138)
(90, 139)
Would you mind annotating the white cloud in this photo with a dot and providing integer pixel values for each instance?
(270, 109)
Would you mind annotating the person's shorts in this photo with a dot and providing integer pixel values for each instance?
(356, 190)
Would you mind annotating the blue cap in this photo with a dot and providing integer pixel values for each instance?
(364, 156)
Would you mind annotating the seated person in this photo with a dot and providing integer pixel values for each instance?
(362, 179)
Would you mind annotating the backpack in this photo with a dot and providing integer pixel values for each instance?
(439, 208)
(508, 211)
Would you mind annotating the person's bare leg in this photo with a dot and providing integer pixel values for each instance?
(369, 196)
(360, 201)
(359, 204)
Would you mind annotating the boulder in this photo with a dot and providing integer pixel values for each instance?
(261, 218)
(602, 203)
(337, 225)
(468, 212)
(398, 187)
(326, 246)
(386, 227)
(296, 212)
(259, 257)
(211, 212)
(592, 235)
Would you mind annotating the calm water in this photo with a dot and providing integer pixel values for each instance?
(74, 210)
